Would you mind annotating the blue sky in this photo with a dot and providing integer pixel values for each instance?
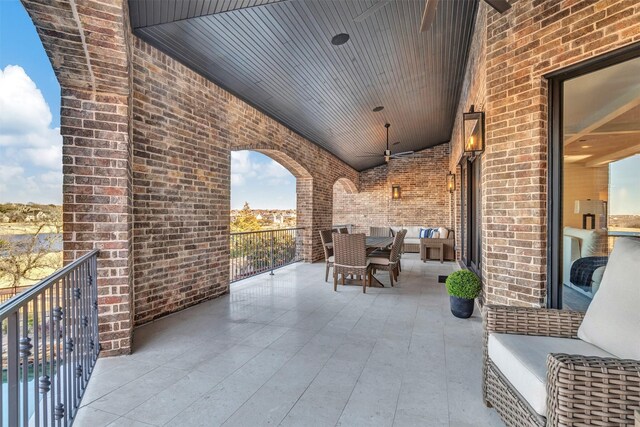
(262, 182)
(624, 190)
(30, 141)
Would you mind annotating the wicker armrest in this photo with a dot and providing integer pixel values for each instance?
(531, 321)
(591, 390)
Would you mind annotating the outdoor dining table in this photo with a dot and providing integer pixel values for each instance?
(372, 243)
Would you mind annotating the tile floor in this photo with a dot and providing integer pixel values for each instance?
(287, 350)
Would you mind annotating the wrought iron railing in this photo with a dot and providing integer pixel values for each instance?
(8, 293)
(50, 346)
(256, 252)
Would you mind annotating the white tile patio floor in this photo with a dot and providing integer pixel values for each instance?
(287, 350)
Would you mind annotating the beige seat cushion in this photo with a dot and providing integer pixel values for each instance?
(612, 321)
(522, 360)
(411, 241)
(379, 260)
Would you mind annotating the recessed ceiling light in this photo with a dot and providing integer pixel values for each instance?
(340, 39)
(585, 146)
(380, 108)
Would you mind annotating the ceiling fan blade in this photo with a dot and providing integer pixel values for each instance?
(373, 9)
(371, 155)
(500, 5)
(428, 15)
(403, 154)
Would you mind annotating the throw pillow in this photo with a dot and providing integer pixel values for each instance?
(612, 321)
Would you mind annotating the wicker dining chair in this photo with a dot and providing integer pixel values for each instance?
(326, 236)
(379, 231)
(388, 261)
(387, 251)
(350, 257)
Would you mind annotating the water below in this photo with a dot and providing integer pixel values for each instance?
(52, 241)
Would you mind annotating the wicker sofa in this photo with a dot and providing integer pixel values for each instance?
(412, 240)
(545, 367)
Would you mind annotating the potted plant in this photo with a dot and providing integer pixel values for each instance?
(463, 287)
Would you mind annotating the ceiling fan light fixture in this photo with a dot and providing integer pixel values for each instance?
(340, 39)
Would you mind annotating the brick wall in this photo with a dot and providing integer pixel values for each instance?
(533, 38)
(184, 130)
(425, 199)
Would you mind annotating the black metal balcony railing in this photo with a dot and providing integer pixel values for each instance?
(50, 346)
(256, 252)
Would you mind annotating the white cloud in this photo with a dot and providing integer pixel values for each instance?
(243, 166)
(30, 150)
(21, 102)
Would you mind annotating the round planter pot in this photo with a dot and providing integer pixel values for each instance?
(461, 307)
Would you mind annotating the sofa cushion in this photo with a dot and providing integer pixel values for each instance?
(522, 359)
(415, 241)
(612, 321)
(591, 241)
(413, 231)
(443, 232)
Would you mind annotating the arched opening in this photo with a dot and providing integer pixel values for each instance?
(344, 191)
(270, 212)
(30, 157)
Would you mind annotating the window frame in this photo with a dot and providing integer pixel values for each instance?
(555, 152)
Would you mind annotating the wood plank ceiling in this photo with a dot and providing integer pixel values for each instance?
(278, 56)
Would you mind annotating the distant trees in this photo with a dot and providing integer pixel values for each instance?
(245, 221)
(31, 256)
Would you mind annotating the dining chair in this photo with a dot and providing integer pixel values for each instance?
(389, 261)
(379, 231)
(386, 252)
(350, 257)
(327, 237)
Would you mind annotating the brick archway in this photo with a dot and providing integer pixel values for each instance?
(346, 185)
(304, 195)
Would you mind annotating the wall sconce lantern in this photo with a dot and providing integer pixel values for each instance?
(451, 182)
(396, 193)
(473, 132)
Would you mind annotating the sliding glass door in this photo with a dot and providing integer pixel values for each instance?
(595, 182)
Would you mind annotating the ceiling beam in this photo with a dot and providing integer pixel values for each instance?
(604, 115)
(428, 15)
(611, 157)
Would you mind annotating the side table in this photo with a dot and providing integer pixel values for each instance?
(426, 246)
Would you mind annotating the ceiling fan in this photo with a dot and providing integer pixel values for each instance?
(387, 153)
(430, 11)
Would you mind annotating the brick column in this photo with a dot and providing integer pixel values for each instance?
(97, 202)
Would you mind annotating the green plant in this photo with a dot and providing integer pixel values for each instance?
(463, 284)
